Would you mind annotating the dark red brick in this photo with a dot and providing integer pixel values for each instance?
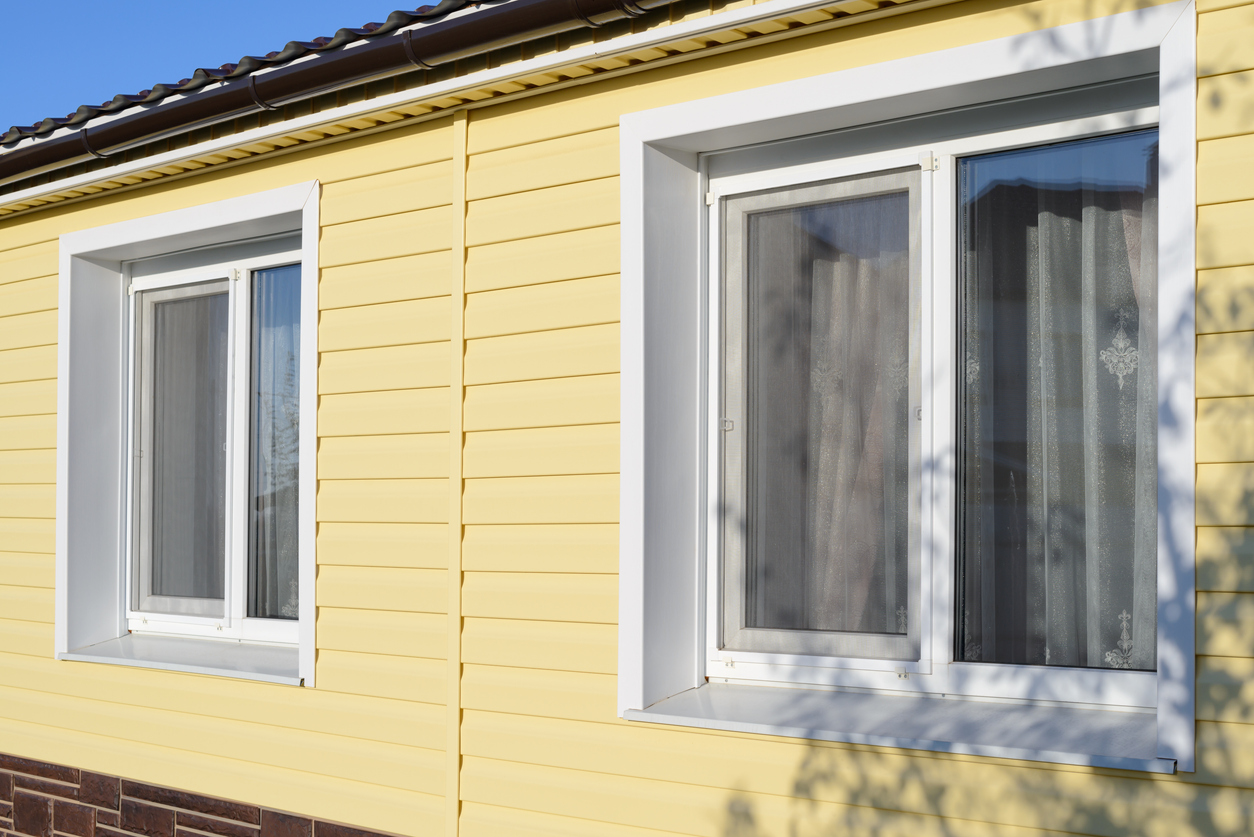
(6, 810)
(330, 829)
(214, 826)
(70, 818)
(13, 764)
(191, 802)
(6, 787)
(45, 786)
(274, 824)
(98, 790)
(32, 814)
(108, 818)
(148, 820)
(102, 831)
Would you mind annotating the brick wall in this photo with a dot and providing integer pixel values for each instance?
(42, 800)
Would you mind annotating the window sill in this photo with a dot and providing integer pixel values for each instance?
(1063, 735)
(246, 661)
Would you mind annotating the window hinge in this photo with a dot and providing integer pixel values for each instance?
(709, 199)
(726, 424)
(927, 162)
(918, 413)
(130, 289)
(902, 674)
(236, 274)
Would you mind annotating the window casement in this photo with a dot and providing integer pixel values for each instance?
(912, 350)
(186, 439)
(214, 482)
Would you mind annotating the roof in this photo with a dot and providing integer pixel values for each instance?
(247, 65)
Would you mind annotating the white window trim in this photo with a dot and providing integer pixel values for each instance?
(663, 507)
(93, 359)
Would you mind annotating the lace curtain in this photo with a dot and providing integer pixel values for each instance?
(1057, 480)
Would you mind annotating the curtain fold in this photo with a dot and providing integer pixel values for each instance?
(1059, 516)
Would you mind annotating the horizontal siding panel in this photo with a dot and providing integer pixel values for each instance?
(547, 694)
(1225, 364)
(558, 646)
(22, 330)
(1225, 495)
(406, 234)
(386, 280)
(550, 258)
(416, 545)
(1225, 429)
(391, 367)
(1225, 106)
(26, 604)
(1225, 299)
(1222, 232)
(32, 639)
(28, 501)
(26, 534)
(29, 262)
(1213, 5)
(31, 364)
(1225, 755)
(482, 820)
(561, 548)
(29, 398)
(383, 632)
(1225, 624)
(384, 413)
(387, 193)
(333, 798)
(412, 145)
(557, 209)
(411, 456)
(28, 466)
(27, 569)
(523, 168)
(402, 678)
(581, 449)
(562, 597)
(355, 716)
(375, 762)
(383, 588)
(593, 399)
(1225, 559)
(28, 432)
(1224, 169)
(574, 302)
(385, 324)
(383, 501)
(28, 296)
(1223, 41)
(578, 499)
(1225, 689)
(565, 353)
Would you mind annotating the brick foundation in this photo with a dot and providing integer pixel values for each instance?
(38, 799)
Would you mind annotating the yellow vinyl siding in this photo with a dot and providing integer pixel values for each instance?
(542, 752)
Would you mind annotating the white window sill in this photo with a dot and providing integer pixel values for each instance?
(247, 661)
(1063, 735)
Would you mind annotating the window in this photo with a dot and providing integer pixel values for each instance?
(894, 374)
(186, 393)
(215, 437)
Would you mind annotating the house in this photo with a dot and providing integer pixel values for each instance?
(627, 418)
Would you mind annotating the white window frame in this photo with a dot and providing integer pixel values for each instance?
(665, 533)
(236, 270)
(94, 620)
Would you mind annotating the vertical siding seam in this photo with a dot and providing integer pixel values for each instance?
(457, 393)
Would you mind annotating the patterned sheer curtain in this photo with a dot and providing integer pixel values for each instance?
(1058, 510)
(274, 455)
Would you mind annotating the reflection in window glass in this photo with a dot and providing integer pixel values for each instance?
(274, 445)
(1057, 484)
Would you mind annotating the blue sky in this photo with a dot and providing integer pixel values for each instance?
(58, 54)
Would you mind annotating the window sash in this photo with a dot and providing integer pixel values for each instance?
(736, 632)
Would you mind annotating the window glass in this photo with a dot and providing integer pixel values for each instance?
(1057, 479)
(274, 444)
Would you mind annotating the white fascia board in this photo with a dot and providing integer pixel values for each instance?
(720, 22)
